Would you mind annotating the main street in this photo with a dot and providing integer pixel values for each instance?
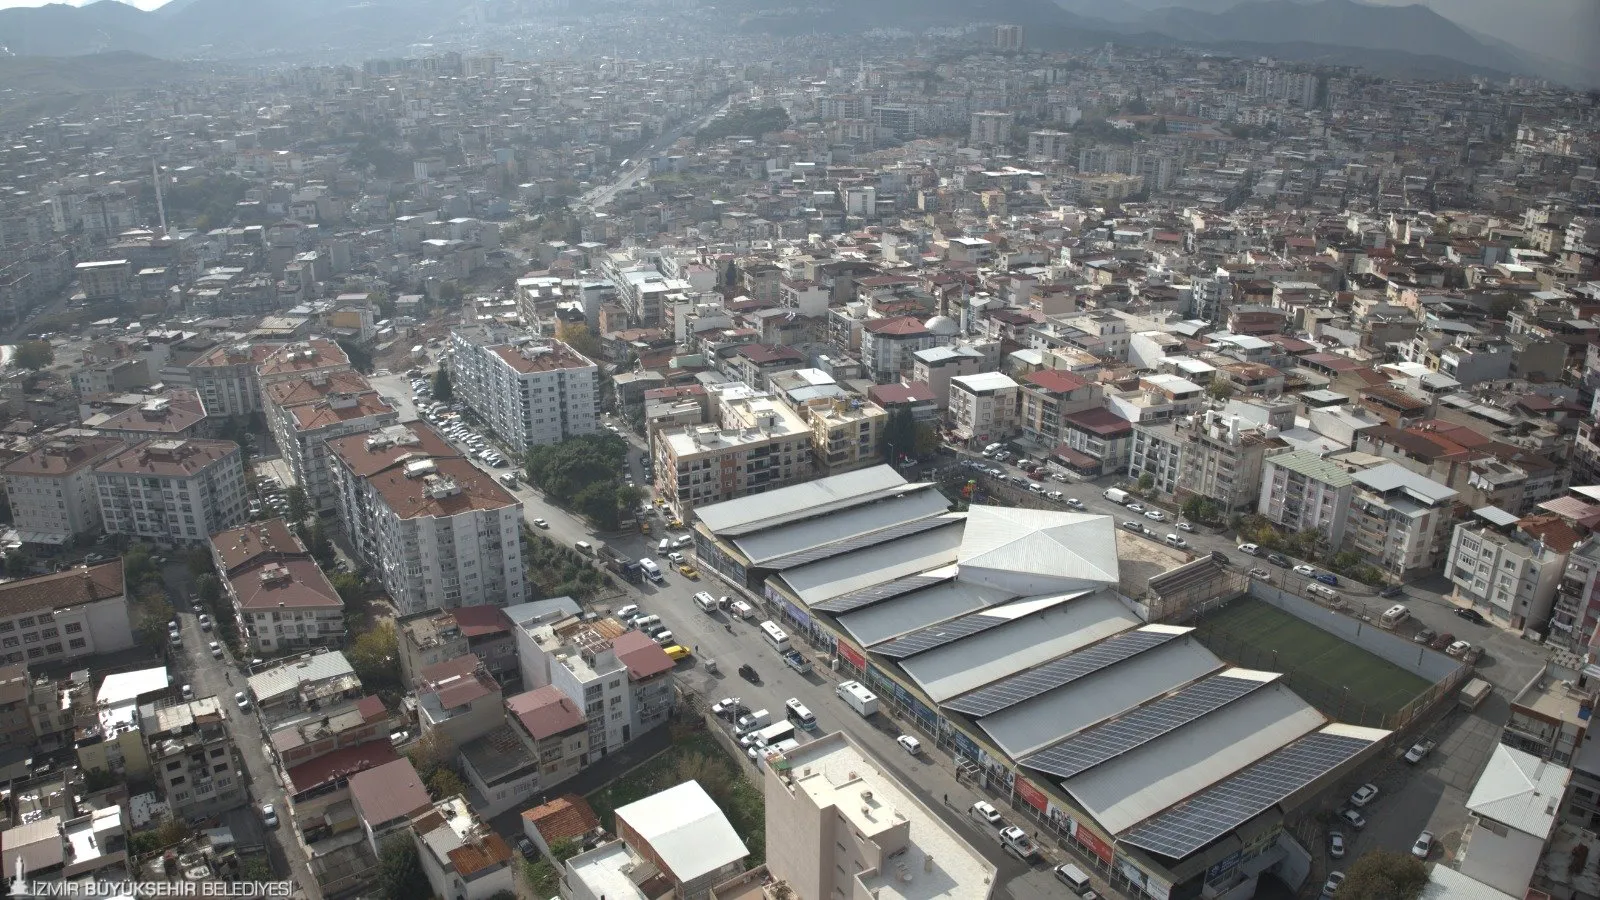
(598, 197)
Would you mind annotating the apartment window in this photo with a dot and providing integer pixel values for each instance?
(219, 751)
(77, 643)
(74, 627)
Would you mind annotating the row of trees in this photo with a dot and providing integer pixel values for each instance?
(1309, 545)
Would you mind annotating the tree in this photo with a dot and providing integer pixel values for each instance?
(35, 355)
(1385, 875)
(199, 561)
(581, 339)
(899, 435)
(400, 875)
(208, 588)
(598, 501)
(351, 589)
(1220, 389)
(320, 547)
(442, 391)
(172, 831)
(1147, 482)
(564, 849)
(375, 656)
(299, 507)
(445, 783)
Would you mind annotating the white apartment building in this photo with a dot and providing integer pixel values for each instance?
(226, 378)
(1302, 491)
(281, 599)
(1399, 520)
(462, 856)
(840, 825)
(1159, 398)
(1505, 571)
(1219, 456)
(761, 445)
(192, 755)
(305, 413)
(64, 616)
(51, 491)
(172, 491)
(984, 407)
(439, 531)
(530, 391)
(888, 346)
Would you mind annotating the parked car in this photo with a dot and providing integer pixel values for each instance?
(216, 650)
(1251, 549)
(1155, 515)
(540, 523)
(243, 701)
(1307, 571)
(1425, 636)
(1278, 559)
(1419, 751)
(1327, 578)
(1262, 574)
(1442, 641)
(726, 706)
(984, 812)
(1353, 818)
(1459, 648)
(1364, 795)
(1136, 507)
(269, 816)
(1185, 526)
(1133, 526)
(910, 744)
(1393, 590)
(1175, 541)
(1336, 844)
(1075, 503)
(1472, 615)
(1331, 886)
(1423, 846)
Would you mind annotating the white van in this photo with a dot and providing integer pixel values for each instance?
(742, 609)
(664, 545)
(645, 623)
(1074, 878)
(1394, 615)
(1326, 593)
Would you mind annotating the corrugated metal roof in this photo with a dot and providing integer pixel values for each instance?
(786, 540)
(1038, 551)
(916, 610)
(1314, 466)
(773, 508)
(847, 572)
(1520, 791)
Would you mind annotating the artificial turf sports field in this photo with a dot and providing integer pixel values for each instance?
(1321, 665)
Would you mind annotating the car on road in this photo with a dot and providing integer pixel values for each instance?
(216, 650)
(1075, 503)
(1364, 795)
(269, 816)
(243, 701)
(1136, 507)
(1278, 559)
(1472, 615)
(187, 691)
(1458, 649)
(1424, 637)
(1353, 818)
(1263, 574)
(540, 523)
(1133, 526)
(1393, 590)
(1327, 578)
(985, 812)
(1336, 846)
(689, 572)
(1155, 515)
(1442, 641)
(749, 673)
(909, 744)
(1419, 751)
(1307, 571)
(1251, 549)
(1176, 541)
(1185, 526)
(1423, 846)
(676, 558)
(205, 622)
(1331, 886)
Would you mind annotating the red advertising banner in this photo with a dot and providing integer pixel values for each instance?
(1096, 846)
(851, 656)
(1031, 795)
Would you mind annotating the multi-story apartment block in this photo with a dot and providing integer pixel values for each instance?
(1575, 617)
(887, 346)
(51, 491)
(1219, 458)
(191, 755)
(1095, 442)
(463, 857)
(845, 435)
(1049, 396)
(984, 407)
(1550, 716)
(427, 639)
(439, 532)
(529, 391)
(935, 366)
(553, 730)
(1302, 491)
(1508, 567)
(303, 424)
(64, 616)
(226, 378)
(621, 680)
(301, 360)
(760, 445)
(1399, 520)
(676, 843)
(1157, 456)
(174, 491)
(281, 599)
(1159, 398)
(991, 128)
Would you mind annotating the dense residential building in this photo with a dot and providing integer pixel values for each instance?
(301, 360)
(760, 445)
(51, 491)
(847, 434)
(226, 378)
(437, 530)
(1509, 568)
(172, 491)
(191, 749)
(1302, 491)
(458, 701)
(172, 414)
(1399, 521)
(281, 599)
(305, 413)
(679, 835)
(1219, 457)
(529, 391)
(983, 408)
(461, 855)
(1049, 397)
(70, 615)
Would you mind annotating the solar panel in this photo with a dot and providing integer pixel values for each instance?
(1008, 692)
(859, 542)
(1219, 809)
(1093, 746)
(879, 592)
(924, 639)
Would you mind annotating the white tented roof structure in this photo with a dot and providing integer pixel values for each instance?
(686, 830)
(1520, 790)
(1032, 551)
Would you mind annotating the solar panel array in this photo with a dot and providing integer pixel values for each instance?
(880, 592)
(1093, 746)
(1057, 673)
(1225, 806)
(925, 639)
(859, 542)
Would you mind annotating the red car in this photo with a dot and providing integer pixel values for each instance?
(1442, 641)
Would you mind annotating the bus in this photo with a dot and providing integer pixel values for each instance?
(778, 731)
(775, 636)
(798, 714)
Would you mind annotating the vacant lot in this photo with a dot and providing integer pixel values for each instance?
(1339, 678)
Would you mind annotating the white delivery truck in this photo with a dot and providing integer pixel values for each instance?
(857, 697)
(651, 570)
(1116, 495)
(742, 609)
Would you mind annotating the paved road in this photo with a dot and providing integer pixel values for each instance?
(597, 198)
(222, 678)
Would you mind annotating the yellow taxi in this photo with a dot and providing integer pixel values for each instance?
(689, 571)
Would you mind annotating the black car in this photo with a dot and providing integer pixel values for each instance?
(1393, 590)
(1472, 615)
(1278, 559)
(748, 673)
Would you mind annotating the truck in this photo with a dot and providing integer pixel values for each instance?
(742, 609)
(753, 720)
(1116, 495)
(857, 697)
(795, 661)
(619, 564)
(706, 602)
(1473, 695)
(650, 569)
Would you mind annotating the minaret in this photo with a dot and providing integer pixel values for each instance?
(161, 208)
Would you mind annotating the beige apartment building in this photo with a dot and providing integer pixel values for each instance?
(760, 445)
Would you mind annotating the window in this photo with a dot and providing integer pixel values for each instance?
(74, 627)
(220, 751)
(77, 643)
(174, 766)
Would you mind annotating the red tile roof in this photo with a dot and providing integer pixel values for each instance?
(243, 545)
(1057, 381)
(477, 621)
(643, 656)
(545, 711)
(1100, 421)
(388, 792)
(62, 589)
(894, 394)
(285, 583)
(471, 857)
(897, 325)
(168, 457)
(341, 763)
(566, 817)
